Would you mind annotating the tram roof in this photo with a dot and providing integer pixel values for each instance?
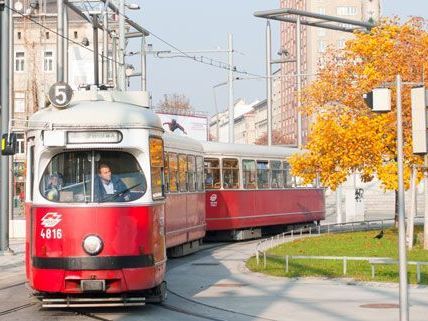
(182, 143)
(100, 113)
(241, 150)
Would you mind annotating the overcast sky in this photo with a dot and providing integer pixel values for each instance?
(204, 25)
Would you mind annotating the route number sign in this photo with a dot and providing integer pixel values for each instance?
(60, 94)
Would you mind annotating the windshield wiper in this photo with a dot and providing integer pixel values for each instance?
(112, 196)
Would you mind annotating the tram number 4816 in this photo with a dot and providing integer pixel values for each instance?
(51, 233)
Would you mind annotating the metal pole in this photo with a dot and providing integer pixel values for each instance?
(413, 210)
(426, 203)
(269, 81)
(60, 41)
(105, 47)
(299, 81)
(95, 33)
(143, 64)
(11, 95)
(114, 57)
(231, 106)
(65, 40)
(404, 307)
(4, 102)
(216, 119)
(121, 74)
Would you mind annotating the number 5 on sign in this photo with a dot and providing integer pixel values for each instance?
(60, 94)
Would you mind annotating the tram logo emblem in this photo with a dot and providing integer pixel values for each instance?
(51, 219)
(213, 200)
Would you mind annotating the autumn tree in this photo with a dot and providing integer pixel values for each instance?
(346, 137)
(175, 103)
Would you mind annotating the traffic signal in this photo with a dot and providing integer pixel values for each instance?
(379, 99)
(419, 120)
(8, 144)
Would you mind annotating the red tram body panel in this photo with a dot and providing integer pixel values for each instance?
(130, 260)
(185, 218)
(229, 209)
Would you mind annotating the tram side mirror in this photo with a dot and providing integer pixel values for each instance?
(8, 144)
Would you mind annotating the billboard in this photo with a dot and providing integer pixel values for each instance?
(193, 126)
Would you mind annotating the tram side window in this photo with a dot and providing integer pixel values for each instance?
(230, 173)
(262, 174)
(117, 177)
(199, 173)
(249, 173)
(182, 173)
(288, 179)
(191, 173)
(156, 166)
(31, 172)
(172, 172)
(212, 173)
(277, 177)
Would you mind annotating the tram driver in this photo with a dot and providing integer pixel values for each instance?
(109, 187)
(54, 186)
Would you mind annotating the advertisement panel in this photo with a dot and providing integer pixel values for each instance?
(192, 126)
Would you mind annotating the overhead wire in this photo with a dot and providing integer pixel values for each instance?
(62, 36)
(202, 59)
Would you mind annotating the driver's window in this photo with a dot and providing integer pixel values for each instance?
(93, 176)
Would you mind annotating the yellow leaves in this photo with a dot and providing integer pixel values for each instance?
(346, 136)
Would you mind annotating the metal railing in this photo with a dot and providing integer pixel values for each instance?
(264, 245)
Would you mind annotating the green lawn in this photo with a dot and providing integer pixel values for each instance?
(345, 244)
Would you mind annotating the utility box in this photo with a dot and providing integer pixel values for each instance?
(419, 120)
(379, 99)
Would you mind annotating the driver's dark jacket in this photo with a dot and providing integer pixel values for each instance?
(118, 187)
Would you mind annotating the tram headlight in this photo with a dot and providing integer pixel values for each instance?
(92, 245)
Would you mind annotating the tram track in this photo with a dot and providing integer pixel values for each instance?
(17, 308)
(12, 286)
(235, 313)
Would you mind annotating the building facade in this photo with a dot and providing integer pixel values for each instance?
(34, 71)
(314, 43)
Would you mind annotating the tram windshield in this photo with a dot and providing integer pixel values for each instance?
(93, 176)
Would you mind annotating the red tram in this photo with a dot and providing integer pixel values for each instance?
(109, 194)
(249, 189)
(85, 247)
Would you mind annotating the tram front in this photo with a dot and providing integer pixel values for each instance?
(95, 203)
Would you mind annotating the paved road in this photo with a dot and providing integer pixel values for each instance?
(215, 285)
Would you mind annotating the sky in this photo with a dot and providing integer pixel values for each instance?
(204, 25)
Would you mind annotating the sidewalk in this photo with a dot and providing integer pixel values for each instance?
(17, 259)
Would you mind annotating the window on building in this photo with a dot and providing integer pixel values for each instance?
(21, 143)
(156, 166)
(19, 61)
(75, 35)
(19, 102)
(341, 43)
(321, 32)
(212, 173)
(19, 35)
(48, 61)
(47, 35)
(321, 46)
(346, 11)
(321, 10)
(230, 173)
